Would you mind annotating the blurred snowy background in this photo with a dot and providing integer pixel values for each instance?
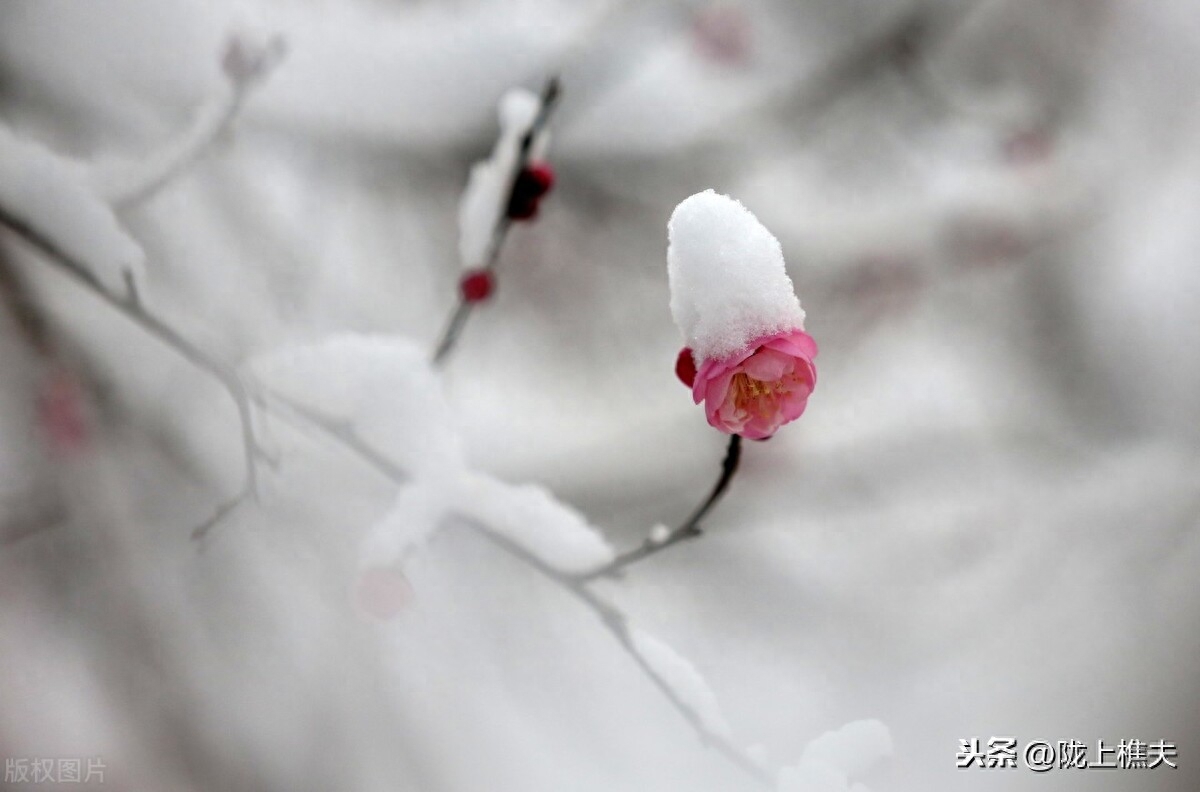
(985, 525)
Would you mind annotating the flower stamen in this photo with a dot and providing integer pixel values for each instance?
(759, 397)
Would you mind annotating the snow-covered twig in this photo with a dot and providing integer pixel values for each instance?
(337, 431)
(618, 626)
(340, 432)
(89, 190)
(129, 306)
(499, 231)
(246, 63)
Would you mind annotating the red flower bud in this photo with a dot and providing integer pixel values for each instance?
(685, 367)
(533, 182)
(477, 285)
(540, 176)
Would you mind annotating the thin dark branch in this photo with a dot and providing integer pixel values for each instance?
(729, 466)
(549, 99)
(338, 432)
(202, 530)
(689, 529)
(132, 309)
(462, 310)
(454, 328)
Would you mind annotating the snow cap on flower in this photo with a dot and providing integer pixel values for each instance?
(729, 285)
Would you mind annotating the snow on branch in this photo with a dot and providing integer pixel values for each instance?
(678, 681)
(504, 188)
(70, 203)
(684, 681)
(417, 512)
(383, 389)
(49, 194)
(371, 386)
(83, 271)
(64, 208)
(332, 386)
(246, 63)
(529, 516)
(831, 761)
(485, 198)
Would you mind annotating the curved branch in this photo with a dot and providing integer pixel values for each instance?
(246, 65)
(130, 307)
(690, 529)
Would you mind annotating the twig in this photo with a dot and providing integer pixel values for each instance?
(339, 432)
(613, 620)
(462, 311)
(454, 328)
(618, 625)
(221, 512)
(690, 529)
(132, 309)
(246, 65)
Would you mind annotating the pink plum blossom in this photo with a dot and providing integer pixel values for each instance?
(759, 389)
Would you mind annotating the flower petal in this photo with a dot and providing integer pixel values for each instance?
(768, 365)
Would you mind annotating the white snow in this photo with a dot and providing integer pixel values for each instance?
(414, 516)
(677, 673)
(380, 386)
(852, 749)
(812, 778)
(249, 58)
(486, 196)
(49, 193)
(384, 389)
(529, 516)
(729, 285)
(830, 761)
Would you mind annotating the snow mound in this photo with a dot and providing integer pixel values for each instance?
(381, 386)
(830, 761)
(529, 516)
(729, 285)
(50, 195)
